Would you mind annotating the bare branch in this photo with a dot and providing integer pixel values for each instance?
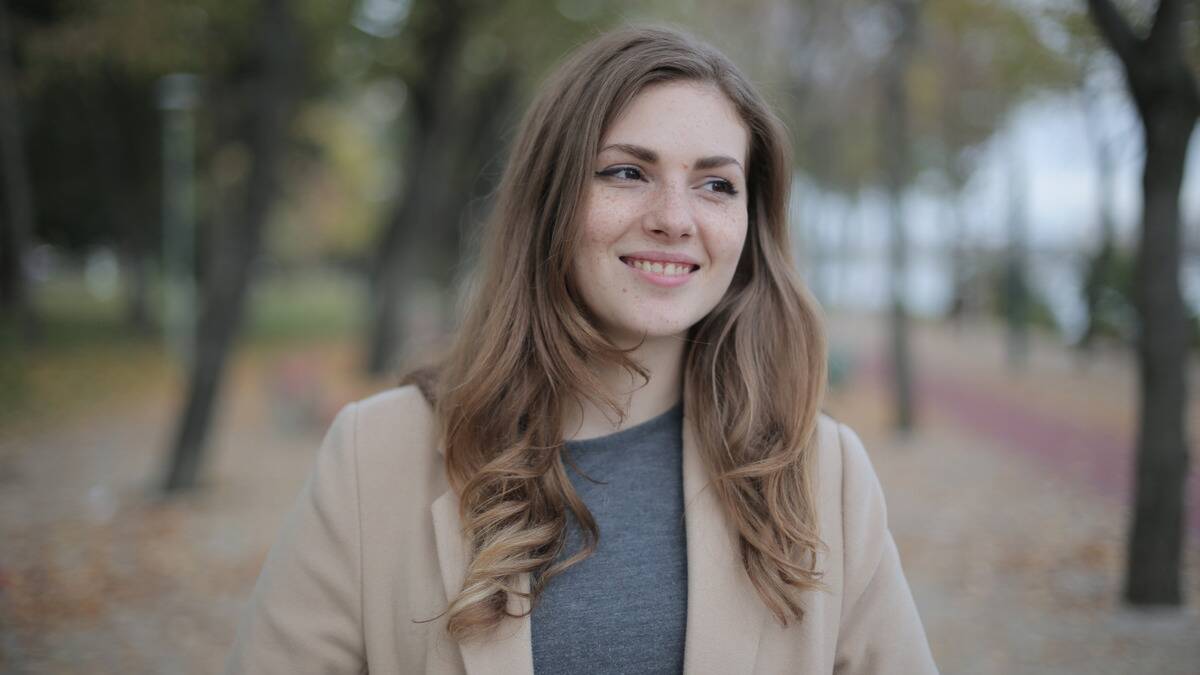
(1115, 29)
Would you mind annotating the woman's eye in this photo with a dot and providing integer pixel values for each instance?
(721, 185)
(622, 172)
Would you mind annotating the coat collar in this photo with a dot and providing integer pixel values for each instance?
(725, 618)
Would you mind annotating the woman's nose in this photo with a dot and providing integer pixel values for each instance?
(671, 216)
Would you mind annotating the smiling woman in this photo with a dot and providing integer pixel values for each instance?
(664, 220)
(621, 465)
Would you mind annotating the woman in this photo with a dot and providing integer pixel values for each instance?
(621, 465)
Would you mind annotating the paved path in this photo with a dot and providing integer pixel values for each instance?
(1010, 522)
(1015, 568)
(1055, 426)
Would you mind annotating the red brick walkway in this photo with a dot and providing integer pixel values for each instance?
(1072, 443)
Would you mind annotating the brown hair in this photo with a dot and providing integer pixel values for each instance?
(754, 367)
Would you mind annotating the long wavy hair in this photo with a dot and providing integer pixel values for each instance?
(754, 370)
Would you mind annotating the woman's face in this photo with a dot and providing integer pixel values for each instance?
(664, 215)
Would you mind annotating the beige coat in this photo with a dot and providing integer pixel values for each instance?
(373, 546)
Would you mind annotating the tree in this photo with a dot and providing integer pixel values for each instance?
(894, 124)
(874, 114)
(466, 65)
(978, 61)
(261, 93)
(268, 108)
(1102, 264)
(16, 225)
(435, 32)
(256, 86)
(1165, 91)
(88, 75)
(1106, 284)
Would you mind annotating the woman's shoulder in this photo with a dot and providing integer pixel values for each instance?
(852, 508)
(393, 430)
(878, 621)
(404, 405)
(847, 481)
(839, 448)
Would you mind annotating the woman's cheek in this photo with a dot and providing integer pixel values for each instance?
(728, 241)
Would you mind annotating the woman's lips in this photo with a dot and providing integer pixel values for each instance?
(659, 272)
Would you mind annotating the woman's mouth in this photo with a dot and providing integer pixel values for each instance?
(659, 272)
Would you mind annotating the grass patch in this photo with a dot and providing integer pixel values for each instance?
(301, 308)
(88, 355)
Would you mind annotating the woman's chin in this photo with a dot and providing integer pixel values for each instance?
(632, 335)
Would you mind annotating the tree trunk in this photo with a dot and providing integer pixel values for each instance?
(388, 279)
(894, 124)
(953, 120)
(229, 273)
(438, 34)
(1016, 283)
(16, 231)
(1100, 267)
(135, 262)
(1154, 573)
(1168, 101)
(961, 293)
(117, 162)
(440, 211)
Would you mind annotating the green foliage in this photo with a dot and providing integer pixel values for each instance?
(311, 305)
(145, 39)
(979, 60)
(89, 74)
(527, 36)
(975, 61)
(1108, 295)
(1033, 308)
(327, 209)
(1108, 292)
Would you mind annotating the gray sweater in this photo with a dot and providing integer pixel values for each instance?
(624, 609)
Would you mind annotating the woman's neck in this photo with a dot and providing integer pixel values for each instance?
(662, 358)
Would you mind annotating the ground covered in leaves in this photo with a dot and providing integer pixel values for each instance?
(1009, 505)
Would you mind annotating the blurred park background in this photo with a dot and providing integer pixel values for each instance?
(224, 219)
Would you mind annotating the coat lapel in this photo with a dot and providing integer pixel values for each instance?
(510, 649)
(725, 617)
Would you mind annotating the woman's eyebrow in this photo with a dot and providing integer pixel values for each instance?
(650, 157)
(716, 161)
(645, 154)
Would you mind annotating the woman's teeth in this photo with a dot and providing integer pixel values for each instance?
(667, 269)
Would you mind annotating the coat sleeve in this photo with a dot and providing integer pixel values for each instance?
(305, 613)
(880, 631)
